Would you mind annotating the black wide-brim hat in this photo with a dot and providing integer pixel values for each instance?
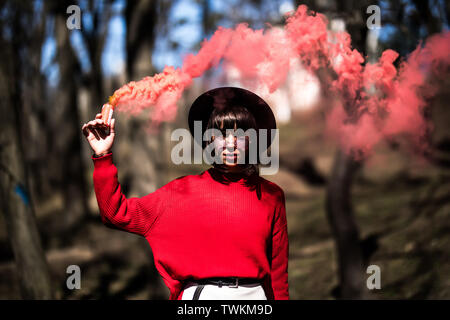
(222, 97)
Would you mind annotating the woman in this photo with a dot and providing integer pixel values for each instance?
(221, 234)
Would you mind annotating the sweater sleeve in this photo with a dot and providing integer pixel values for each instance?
(135, 215)
(280, 252)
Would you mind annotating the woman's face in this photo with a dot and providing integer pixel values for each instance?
(231, 148)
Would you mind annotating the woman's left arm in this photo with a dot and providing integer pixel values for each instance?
(280, 252)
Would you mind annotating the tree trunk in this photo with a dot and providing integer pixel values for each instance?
(338, 199)
(15, 202)
(69, 139)
(17, 208)
(345, 230)
(144, 177)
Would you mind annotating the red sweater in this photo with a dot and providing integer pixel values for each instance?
(199, 228)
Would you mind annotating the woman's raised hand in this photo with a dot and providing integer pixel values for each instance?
(97, 134)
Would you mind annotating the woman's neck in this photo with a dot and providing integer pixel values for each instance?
(233, 173)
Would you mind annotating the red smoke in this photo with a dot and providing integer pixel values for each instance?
(161, 91)
(376, 101)
(396, 108)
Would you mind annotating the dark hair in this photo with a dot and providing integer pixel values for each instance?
(234, 116)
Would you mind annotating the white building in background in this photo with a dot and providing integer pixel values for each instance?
(303, 88)
(300, 92)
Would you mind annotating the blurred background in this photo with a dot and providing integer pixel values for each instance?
(391, 210)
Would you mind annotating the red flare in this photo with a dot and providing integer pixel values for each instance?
(107, 112)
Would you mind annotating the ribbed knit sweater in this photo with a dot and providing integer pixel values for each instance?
(198, 227)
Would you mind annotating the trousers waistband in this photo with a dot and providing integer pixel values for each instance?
(230, 282)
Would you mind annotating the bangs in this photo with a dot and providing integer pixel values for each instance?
(234, 117)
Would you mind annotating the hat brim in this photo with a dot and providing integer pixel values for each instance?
(221, 97)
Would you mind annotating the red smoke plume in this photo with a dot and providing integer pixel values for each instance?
(377, 100)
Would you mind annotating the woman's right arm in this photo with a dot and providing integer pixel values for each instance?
(135, 215)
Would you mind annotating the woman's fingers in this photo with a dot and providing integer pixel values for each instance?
(97, 127)
(95, 133)
(99, 122)
(85, 129)
(113, 126)
(102, 133)
(88, 128)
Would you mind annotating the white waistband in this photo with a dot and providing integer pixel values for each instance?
(213, 292)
